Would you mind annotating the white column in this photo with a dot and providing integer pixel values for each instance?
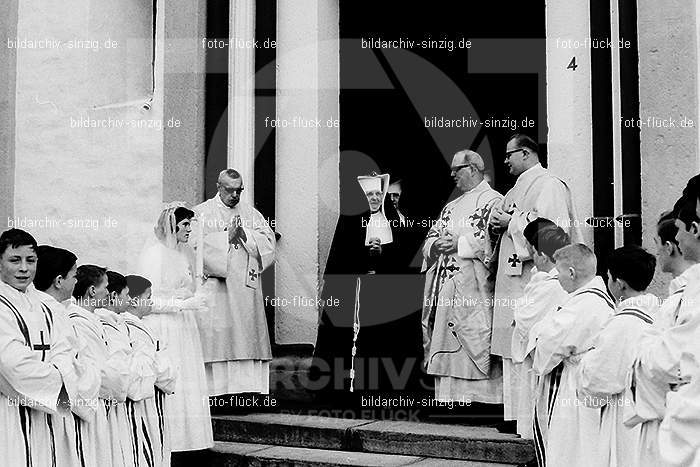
(306, 202)
(569, 110)
(241, 92)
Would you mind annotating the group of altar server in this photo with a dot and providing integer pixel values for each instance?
(102, 369)
(596, 373)
(83, 378)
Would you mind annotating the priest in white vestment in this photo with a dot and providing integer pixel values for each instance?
(605, 371)
(565, 335)
(543, 295)
(457, 309)
(657, 368)
(34, 356)
(234, 246)
(536, 193)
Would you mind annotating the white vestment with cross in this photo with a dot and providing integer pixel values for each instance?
(536, 193)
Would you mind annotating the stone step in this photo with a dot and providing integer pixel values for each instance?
(229, 454)
(471, 443)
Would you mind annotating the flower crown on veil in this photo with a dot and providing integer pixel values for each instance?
(166, 227)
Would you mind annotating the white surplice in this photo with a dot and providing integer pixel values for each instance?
(536, 193)
(543, 295)
(34, 354)
(563, 337)
(113, 363)
(235, 340)
(171, 274)
(146, 406)
(82, 386)
(679, 432)
(457, 309)
(657, 368)
(605, 373)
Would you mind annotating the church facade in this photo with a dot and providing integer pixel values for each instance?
(111, 108)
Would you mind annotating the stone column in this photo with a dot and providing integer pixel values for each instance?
(668, 88)
(569, 112)
(241, 106)
(307, 161)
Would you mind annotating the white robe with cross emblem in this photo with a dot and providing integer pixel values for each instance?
(33, 356)
(536, 193)
(147, 393)
(563, 337)
(457, 308)
(82, 384)
(235, 340)
(679, 432)
(114, 367)
(657, 367)
(605, 372)
(543, 295)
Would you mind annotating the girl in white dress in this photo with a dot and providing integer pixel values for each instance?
(167, 261)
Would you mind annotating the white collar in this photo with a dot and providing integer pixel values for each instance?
(530, 173)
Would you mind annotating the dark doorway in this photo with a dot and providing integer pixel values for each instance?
(387, 94)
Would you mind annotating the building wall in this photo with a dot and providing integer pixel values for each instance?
(668, 88)
(97, 190)
(8, 59)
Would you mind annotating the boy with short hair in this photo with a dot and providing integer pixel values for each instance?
(604, 371)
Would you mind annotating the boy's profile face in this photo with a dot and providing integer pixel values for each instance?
(121, 301)
(688, 241)
(142, 304)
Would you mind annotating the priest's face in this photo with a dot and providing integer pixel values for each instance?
(18, 266)
(374, 198)
(515, 158)
(394, 197)
(230, 190)
(462, 174)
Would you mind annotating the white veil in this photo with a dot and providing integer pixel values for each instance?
(164, 261)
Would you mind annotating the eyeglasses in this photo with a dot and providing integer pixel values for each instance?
(510, 153)
(233, 191)
(457, 168)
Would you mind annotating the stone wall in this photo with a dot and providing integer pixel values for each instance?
(97, 190)
(668, 88)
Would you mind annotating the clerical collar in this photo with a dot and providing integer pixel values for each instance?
(483, 184)
(529, 173)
